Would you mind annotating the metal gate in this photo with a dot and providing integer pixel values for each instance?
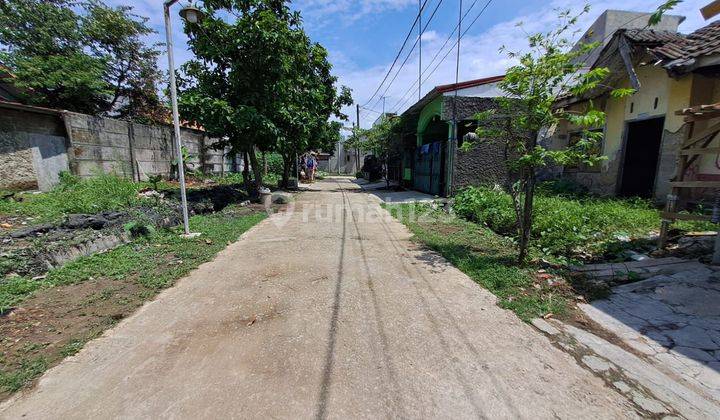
(428, 168)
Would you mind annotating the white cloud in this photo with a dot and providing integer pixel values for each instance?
(480, 56)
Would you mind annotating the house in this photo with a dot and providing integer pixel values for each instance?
(642, 134)
(431, 161)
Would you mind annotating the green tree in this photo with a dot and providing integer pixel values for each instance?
(309, 99)
(550, 69)
(258, 82)
(81, 56)
(382, 139)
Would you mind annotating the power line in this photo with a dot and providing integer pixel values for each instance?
(432, 61)
(458, 40)
(403, 99)
(398, 53)
(407, 57)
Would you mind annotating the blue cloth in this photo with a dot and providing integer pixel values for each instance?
(436, 147)
(425, 149)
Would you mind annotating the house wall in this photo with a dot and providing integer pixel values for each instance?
(671, 94)
(35, 147)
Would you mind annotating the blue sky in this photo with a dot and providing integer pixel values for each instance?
(363, 37)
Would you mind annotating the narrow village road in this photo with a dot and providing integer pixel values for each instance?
(335, 316)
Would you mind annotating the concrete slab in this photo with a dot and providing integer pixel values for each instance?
(672, 319)
(651, 389)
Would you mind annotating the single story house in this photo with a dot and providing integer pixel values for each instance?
(642, 133)
(431, 161)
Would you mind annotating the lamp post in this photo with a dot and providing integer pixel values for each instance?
(191, 15)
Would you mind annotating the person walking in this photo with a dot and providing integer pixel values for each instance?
(311, 164)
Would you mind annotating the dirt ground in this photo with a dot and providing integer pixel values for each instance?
(56, 322)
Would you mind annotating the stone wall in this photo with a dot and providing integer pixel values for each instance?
(32, 150)
(36, 145)
(484, 164)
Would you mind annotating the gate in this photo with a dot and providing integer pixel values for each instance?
(428, 168)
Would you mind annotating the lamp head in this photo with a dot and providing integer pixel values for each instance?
(191, 14)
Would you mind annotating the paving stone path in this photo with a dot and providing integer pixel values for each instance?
(673, 320)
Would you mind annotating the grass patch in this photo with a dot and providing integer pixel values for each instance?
(79, 300)
(141, 257)
(17, 378)
(75, 195)
(566, 225)
(487, 258)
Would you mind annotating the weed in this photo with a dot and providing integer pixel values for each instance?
(75, 195)
(567, 224)
(29, 369)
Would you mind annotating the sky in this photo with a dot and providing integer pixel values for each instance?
(363, 38)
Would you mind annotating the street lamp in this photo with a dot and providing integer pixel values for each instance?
(192, 15)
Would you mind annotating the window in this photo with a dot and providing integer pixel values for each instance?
(576, 136)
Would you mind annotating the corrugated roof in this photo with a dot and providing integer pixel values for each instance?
(682, 54)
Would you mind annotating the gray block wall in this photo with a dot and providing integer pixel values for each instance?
(36, 146)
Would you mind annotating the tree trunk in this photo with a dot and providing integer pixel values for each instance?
(246, 172)
(256, 169)
(287, 165)
(527, 215)
(526, 221)
(264, 164)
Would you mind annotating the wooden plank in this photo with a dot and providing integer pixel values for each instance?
(698, 109)
(626, 55)
(685, 216)
(712, 130)
(712, 9)
(700, 151)
(702, 117)
(696, 184)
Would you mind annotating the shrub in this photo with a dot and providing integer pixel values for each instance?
(563, 225)
(490, 207)
(274, 163)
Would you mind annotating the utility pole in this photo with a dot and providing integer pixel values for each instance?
(383, 108)
(454, 139)
(191, 15)
(357, 149)
(419, 49)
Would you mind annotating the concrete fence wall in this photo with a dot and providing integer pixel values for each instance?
(36, 145)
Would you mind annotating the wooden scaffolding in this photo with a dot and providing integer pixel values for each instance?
(694, 146)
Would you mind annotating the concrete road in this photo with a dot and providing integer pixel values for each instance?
(330, 312)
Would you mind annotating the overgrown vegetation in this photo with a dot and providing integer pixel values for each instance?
(75, 195)
(487, 258)
(566, 222)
